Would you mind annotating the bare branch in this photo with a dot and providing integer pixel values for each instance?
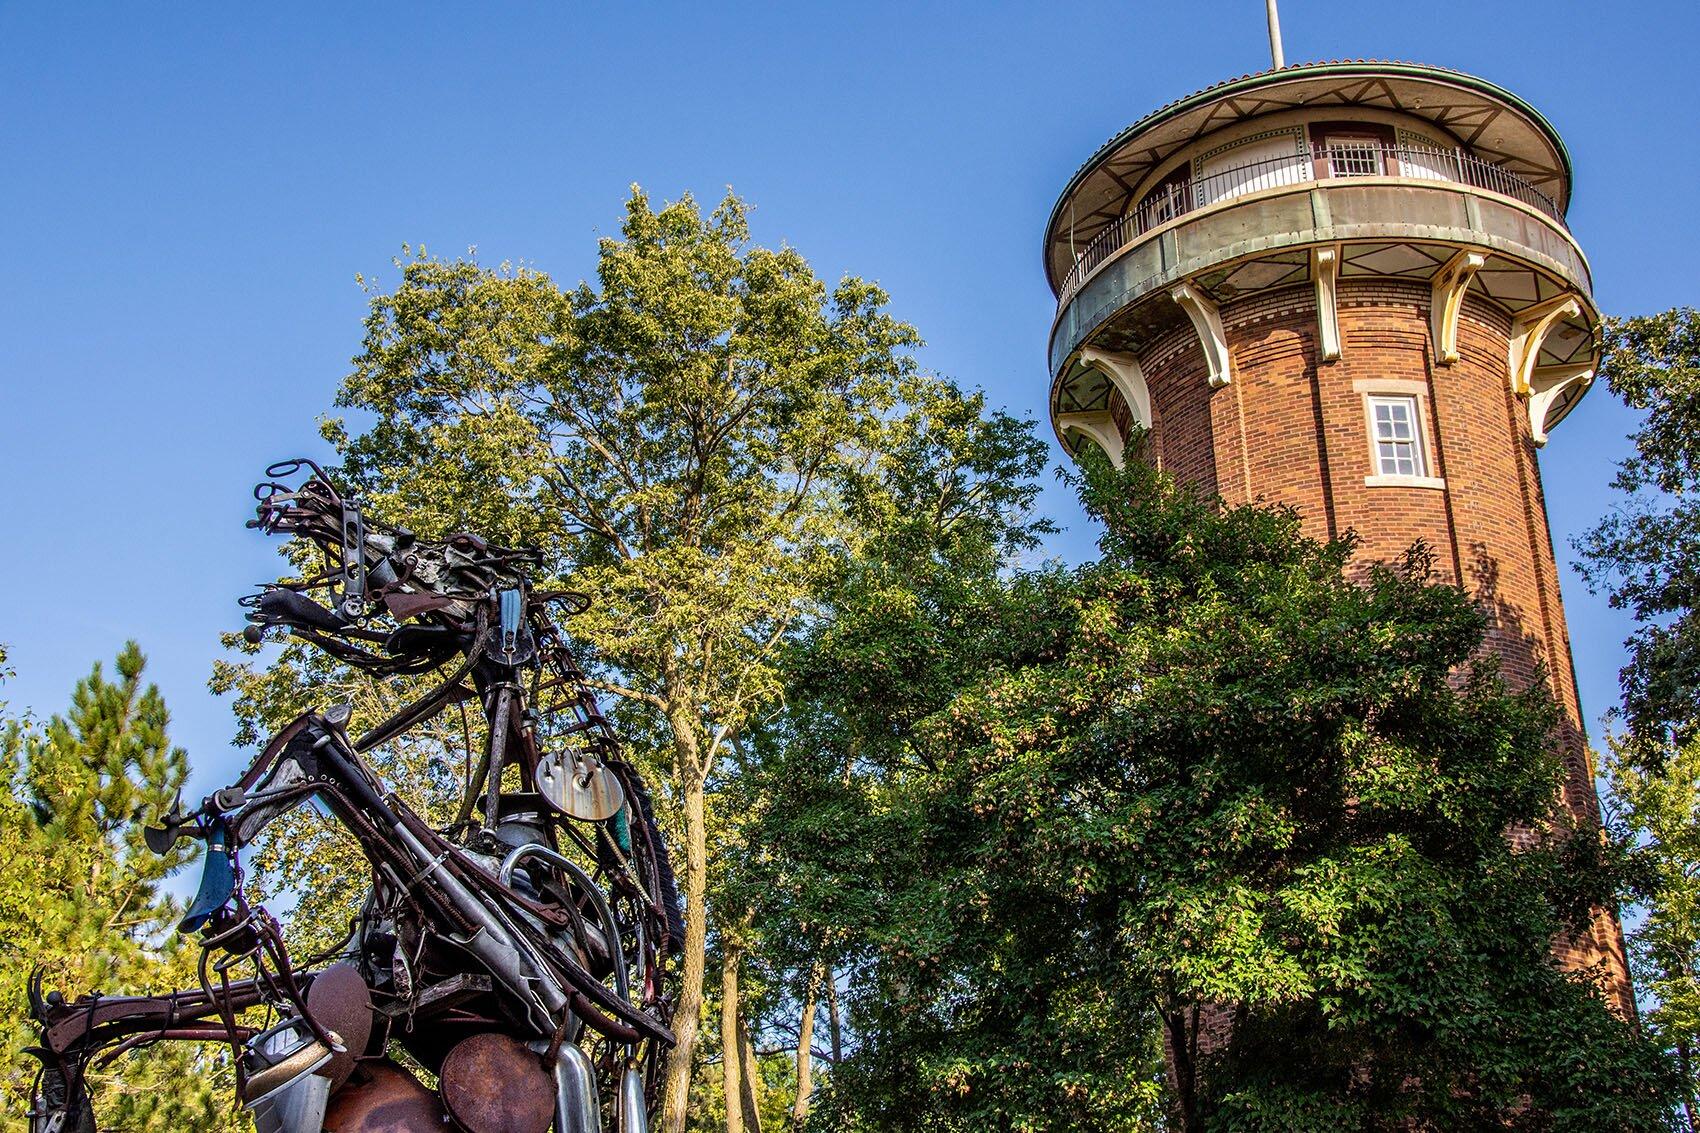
(648, 698)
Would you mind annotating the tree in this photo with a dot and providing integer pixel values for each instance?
(1219, 799)
(946, 508)
(81, 896)
(1656, 813)
(684, 440)
(1643, 556)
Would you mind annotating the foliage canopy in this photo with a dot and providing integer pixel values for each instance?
(82, 897)
(697, 440)
(1218, 792)
(1643, 556)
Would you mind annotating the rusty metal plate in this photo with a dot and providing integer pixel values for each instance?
(339, 1001)
(578, 785)
(406, 605)
(492, 1084)
(381, 1097)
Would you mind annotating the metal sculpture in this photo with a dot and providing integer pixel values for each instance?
(519, 954)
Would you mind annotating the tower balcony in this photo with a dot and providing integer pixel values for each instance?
(1183, 197)
(1202, 231)
(1339, 178)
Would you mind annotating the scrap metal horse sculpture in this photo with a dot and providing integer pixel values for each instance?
(518, 953)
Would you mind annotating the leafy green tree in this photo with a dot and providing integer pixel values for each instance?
(82, 897)
(687, 440)
(1220, 800)
(1657, 814)
(1642, 555)
(945, 508)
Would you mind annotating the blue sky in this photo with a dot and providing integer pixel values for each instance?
(188, 193)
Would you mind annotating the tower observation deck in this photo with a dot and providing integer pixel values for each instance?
(1349, 287)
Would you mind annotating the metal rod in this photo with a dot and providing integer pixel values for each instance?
(578, 1109)
(497, 747)
(1275, 35)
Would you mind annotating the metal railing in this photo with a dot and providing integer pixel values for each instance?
(1344, 162)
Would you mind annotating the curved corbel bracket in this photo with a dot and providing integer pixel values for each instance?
(1446, 299)
(1098, 427)
(1124, 373)
(1529, 329)
(1208, 323)
(1548, 388)
(1325, 271)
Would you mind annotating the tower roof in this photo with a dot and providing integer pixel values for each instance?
(1490, 120)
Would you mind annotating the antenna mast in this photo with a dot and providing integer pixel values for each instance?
(1275, 35)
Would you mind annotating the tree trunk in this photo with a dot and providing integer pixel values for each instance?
(687, 1015)
(833, 1021)
(749, 1088)
(731, 1041)
(1685, 1062)
(1181, 1038)
(805, 1043)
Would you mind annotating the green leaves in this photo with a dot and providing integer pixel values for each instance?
(1213, 777)
(1643, 554)
(81, 895)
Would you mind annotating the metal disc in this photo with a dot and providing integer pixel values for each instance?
(340, 1001)
(580, 788)
(492, 1084)
(384, 1098)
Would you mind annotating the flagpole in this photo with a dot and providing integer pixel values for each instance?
(1275, 35)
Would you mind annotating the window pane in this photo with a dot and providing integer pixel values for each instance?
(1397, 446)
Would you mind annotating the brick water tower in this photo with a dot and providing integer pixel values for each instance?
(1348, 287)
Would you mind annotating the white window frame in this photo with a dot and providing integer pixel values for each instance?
(1416, 395)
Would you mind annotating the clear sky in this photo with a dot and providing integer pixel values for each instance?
(186, 195)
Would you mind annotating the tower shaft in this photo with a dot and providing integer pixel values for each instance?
(1349, 288)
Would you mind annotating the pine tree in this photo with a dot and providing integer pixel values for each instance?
(81, 896)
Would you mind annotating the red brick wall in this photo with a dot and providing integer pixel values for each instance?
(1182, 421)
(1291, 429)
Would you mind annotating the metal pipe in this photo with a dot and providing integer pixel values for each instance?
(634, 1118)
(498, 749)
(1275, 35)
(578, 1105)
(610, 928)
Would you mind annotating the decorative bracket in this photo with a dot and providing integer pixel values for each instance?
(1124, 373)
(1529, 330)
(1208, 323)
(1098, 427)
(1446, 299)
(1548, 386)
(1325, 270)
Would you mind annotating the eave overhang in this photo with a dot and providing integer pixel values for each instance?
(1494, 123)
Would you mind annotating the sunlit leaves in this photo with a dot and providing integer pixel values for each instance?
(1219, 772)
(81, 896)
